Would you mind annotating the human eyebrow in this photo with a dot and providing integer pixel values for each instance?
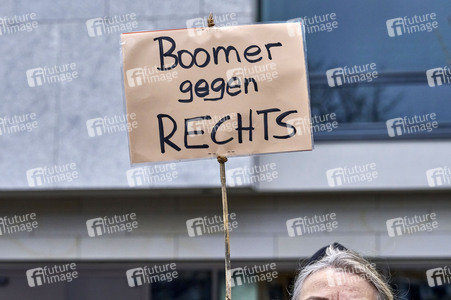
(316, 298)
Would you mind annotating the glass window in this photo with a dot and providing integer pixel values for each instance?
(372, 61)
(276, 288)
(188, 285)
(411, 284)
(108, 281)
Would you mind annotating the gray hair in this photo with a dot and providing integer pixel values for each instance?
(345, 261)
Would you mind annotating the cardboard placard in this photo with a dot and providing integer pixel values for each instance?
(202, 92)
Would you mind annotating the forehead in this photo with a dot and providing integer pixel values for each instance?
(330, 284)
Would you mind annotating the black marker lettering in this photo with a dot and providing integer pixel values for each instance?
(246, 84)
(265, 119)
(226, 53)
(167, 53)
(217, 88)
(215, 129)
(194, 132)
(241, 128)
(286, 125)
(165, 139)
(279, 44)
(184, 90)
(231, 85)
(247, 53)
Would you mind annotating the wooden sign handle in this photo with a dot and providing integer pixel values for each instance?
(228, 266)
(225, 211)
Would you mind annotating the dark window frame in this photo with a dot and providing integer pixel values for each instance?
(372, 130)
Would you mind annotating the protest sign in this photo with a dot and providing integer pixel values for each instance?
(199, 93)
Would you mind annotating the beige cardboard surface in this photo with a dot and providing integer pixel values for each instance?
(259, 70)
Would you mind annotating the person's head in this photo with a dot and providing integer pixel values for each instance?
(338, 273)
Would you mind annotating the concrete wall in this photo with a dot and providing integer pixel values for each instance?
(62, 109)
(261, 232)
(398, 165)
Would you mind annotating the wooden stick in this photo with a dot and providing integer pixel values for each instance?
(228, 266)
(225, 211)
(211, 21)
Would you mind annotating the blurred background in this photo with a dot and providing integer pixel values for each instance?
(380, 168)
